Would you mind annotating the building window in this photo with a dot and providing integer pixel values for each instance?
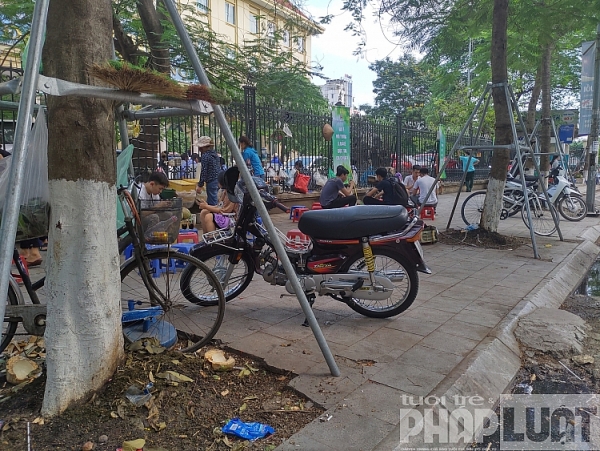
(285, 37)
(202, 6)
(300, 44)
(230, 13)
(271, 33)
(253, 22)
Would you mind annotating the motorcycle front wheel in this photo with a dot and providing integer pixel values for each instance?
(234, 278)
(572, 208)
(402, 274)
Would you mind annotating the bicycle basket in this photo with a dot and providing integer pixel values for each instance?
(160, 220)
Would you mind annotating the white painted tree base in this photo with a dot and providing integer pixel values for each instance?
(84, 341)
(493, 205)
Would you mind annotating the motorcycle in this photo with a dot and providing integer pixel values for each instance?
(567, 199)
(364, 256)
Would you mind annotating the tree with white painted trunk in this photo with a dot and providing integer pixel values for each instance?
(83, 333)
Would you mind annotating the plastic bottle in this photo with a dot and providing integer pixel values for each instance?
(158, 232)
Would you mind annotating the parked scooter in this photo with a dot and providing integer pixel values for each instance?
(365, 256)
(567, 199)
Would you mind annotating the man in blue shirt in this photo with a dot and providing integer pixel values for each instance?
(251, 157)
(470, 177)
(210, 168)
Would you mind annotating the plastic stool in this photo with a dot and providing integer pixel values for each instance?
(17, 276)
(293, 207)
(316, 206)
(186, 235)
(428, 213)
(184, 248)
(297, 213)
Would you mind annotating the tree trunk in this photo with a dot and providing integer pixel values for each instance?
(492, 208)
(83, 333)
(535, 96)
(150, 18)
(546, 109)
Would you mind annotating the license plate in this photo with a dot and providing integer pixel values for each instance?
(419, 248)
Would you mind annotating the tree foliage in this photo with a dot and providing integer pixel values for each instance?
(145, 36)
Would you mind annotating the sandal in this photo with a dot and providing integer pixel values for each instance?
(44, 246)
(37, 262)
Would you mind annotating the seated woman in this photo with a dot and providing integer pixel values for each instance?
(212, 216)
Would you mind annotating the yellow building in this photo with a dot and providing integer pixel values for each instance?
(242, 21)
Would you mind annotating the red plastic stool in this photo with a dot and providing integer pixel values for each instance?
(316, 206)
(297, 213)
(186, 237)
(297, 239)
(428, 213)
(17, 276)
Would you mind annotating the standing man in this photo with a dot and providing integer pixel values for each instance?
(251, 157)
(385, 191)
(209, 160)
(470, 177)
(422, 187)
(410, 179)
(334, 194)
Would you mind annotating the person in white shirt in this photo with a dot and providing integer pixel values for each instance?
(421, 187)
(410, 179)
(153, 187)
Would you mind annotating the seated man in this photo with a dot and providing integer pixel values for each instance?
(421, 187)
(387, 191)
(334, 194)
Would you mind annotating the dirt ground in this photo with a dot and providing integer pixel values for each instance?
(479, 238)
(542, 373)
(181, 416)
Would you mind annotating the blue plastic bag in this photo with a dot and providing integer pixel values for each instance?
(249, 431)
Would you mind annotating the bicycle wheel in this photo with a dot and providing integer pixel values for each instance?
(541, 216)
(175, 275)
(403, 276)
(234, 278)
(512, 201)
(472, 208)
(9, 327)
(572, 208)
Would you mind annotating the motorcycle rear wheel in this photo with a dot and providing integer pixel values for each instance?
(217, 259)
(387, 263)
(572, 208)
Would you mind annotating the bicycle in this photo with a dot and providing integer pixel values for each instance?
(513, 202)
(151, 278)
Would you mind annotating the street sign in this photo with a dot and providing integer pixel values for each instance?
(565, 133)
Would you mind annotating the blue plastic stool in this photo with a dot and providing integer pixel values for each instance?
(292, 209)
(184, 248)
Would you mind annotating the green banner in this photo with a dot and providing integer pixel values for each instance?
(442, 140)
(341, 137)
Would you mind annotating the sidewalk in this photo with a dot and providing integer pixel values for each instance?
(455, 339)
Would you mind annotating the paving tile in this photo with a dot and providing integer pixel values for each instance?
(447, 304)
(462, 329)
(410, 379)
(426, 314)
(272, 315)
(449, 343)
(366, 350)
(413, 325)
(345, 335)
(303, 442)
(348, 431)
(364, 322)
(489, 307)
(290, 329)
(478, 317)
(390, 337)
(376, 400)
(325, 391)
(441, 362)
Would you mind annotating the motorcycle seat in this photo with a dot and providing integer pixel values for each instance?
(352, 222)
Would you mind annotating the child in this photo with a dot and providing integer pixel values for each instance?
(212, 217)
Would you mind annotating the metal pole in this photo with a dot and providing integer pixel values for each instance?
(10, 216)
(462, 182)
(262, 210)
(592, 141)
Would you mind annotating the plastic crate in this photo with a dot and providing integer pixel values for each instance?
(160, 220)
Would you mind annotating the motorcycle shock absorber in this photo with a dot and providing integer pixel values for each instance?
(369, 259)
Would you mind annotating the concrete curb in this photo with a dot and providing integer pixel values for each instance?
(494, 363)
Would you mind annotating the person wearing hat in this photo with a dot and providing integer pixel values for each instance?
(209, 173)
